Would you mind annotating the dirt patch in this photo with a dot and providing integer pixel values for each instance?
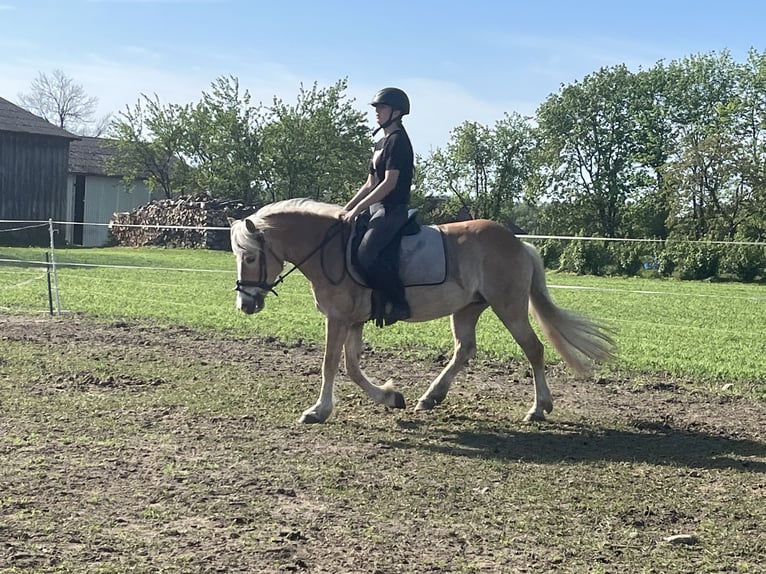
(145, 448)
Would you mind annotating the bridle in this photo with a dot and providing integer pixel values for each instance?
(262, 284)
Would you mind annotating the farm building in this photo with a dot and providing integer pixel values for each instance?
(94, 194)
(49, 173)
(34, 155)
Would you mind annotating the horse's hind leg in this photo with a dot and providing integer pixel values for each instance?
(464, 333)
(515, 317)
(380, 394)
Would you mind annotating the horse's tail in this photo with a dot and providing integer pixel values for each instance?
(576, 338)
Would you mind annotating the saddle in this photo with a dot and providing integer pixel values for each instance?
(417, 252)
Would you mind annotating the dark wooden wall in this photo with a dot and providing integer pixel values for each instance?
(33, 179)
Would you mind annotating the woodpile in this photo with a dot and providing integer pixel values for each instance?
(157, 223)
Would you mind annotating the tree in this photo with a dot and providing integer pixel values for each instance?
(514, 144)
(589, 134)
(483, 171)
(212, 146)
(647, 215)
(227, 147)
(150, 139)
(221, 139)
(751, 155)
(471, 149)
(316, 148)
(61, 101)
(710, 116)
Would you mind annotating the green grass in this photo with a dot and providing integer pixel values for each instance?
(713, 331)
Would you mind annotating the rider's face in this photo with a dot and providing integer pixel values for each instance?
(383, 113)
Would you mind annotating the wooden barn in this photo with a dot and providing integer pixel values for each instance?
(34, 160)
(49, 173)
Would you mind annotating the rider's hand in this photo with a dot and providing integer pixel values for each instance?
(347, 215)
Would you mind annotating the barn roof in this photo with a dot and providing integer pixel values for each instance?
(16, 119)
(90, 156)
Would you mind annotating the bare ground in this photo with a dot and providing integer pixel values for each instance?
(137, 448)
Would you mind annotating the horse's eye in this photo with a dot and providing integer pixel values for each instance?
(250, 259)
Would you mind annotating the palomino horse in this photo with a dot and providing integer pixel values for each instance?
(488, 266)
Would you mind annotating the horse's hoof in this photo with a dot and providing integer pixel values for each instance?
(534, 418)
(399, 401)
(310, 419)
(425, 405)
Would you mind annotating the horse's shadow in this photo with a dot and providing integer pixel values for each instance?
(557, 442)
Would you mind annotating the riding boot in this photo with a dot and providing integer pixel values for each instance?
(378, 307)
(396, 308)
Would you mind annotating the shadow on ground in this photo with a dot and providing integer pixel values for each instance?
(557, 442)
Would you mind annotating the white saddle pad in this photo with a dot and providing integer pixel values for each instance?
(422, 259)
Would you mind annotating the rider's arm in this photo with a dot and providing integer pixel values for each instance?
(360, 195)
(375, 195)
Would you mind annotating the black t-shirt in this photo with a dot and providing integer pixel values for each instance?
(394, 152)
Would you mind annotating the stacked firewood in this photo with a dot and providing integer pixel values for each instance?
(163, 222)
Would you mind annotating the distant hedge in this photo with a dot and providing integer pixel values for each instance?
(688, 260)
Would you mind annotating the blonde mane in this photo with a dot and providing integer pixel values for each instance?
(263, 218)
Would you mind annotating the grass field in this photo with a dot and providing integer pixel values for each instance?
(708, 331)
(152, 428)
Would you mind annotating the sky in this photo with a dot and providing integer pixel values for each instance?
(458, 60)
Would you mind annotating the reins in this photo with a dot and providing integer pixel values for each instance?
(265, 285)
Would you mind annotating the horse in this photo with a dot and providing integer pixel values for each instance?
(487, 267)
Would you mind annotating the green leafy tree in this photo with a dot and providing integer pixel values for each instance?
(514, 142)
(222, 140)
(701, 88)
(318, 147)
(226, 146)
(459, 174)
(589, 138)
(483, 171)
(472, 152)
(149, 138)
(750, 131)
(648, 212)
(720, 149)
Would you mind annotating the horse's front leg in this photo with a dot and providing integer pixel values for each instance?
(335, 335)
(380, 394)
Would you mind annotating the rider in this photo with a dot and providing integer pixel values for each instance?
(386, 195)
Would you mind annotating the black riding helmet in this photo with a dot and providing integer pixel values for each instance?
(393, 97)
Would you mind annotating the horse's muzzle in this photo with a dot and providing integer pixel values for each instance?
(250, 303)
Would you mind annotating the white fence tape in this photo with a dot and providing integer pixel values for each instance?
(524, 237)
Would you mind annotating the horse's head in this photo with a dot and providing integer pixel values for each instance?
(257, 266)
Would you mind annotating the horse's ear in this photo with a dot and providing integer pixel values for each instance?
(251, 228)
(231, 221)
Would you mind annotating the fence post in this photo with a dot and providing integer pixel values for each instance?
(48, 276)
(53, 268)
